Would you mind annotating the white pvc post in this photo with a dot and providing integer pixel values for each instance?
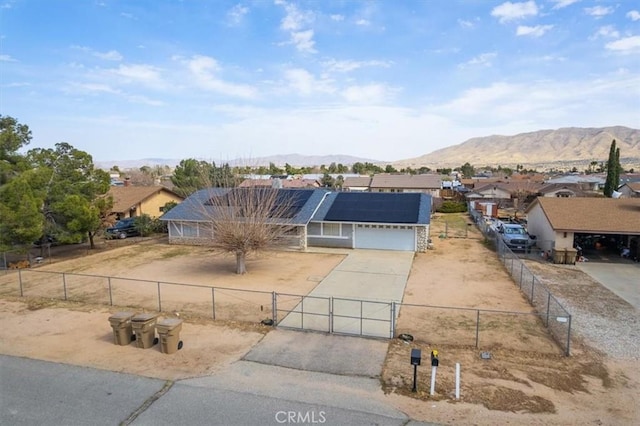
(433, 380)
(457, 380)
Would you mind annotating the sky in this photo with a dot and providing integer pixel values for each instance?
(385, 80)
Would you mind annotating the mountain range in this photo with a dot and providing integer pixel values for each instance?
(560, 147)
(543, 149)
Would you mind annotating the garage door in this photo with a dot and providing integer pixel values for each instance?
(385, 237)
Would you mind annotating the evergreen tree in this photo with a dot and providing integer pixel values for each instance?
(613, 170)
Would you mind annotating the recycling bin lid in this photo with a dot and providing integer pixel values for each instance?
(169, 322)
(144, 317)
(121, 316)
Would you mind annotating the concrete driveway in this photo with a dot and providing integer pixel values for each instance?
(621, 278)
(356, 297)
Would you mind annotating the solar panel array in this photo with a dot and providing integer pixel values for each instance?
(293, 199)
(375, 207)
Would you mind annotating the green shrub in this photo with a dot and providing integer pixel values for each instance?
(452, 207)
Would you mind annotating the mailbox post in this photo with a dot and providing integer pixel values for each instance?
(416, 354)
(434, 367)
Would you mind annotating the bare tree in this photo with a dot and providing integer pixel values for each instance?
(245, 220)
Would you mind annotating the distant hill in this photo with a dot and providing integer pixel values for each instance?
(566, 146)
(295, 160)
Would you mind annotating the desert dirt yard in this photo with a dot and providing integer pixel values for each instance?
(528, 380)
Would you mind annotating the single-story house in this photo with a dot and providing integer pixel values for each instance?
(560, 223)
(281, 183)
(426, 183)
(562, 190)
(131, 201)
(630, 190)
(321, 218)
(356, 183)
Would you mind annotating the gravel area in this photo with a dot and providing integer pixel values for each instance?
(602, 319)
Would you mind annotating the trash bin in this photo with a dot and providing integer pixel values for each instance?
(144, 326)
(122, 330)
(558, 256)
(169, 332)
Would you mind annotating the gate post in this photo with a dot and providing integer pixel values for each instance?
(274, 308)
(393, 320)
(159, 299)
(20, 281)
(110, 293)
(64, 285)
(331, 315)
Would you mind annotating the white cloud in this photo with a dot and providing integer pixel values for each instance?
(337, 17)
(363, 22)
(112, 55)
(537, 31)
(204, 70)
(7, 58)
(95, 88)
(145, 74)
(608, 31)
(598, 11)
(483, 59)
(625, 45)
(370, 94)
(559, 4)
(295, 19)
(634, 15)
(303, 83)
(236, 14)
(466, 24)
(514, 11)
(303, 41)
(544, 103)
(349, 65)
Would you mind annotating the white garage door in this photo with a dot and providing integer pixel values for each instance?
(385, 237)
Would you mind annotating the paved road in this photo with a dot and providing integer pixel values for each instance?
(43, 393)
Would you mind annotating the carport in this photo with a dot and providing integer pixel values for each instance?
(602, 227)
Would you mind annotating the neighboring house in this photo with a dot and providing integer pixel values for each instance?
(131, 201)
(630, 190)
(322, 218)
(584, 182)
(506, 194)
(357, 183)
(562, 190)
(557, 221)
(280, 183)
(425, 183)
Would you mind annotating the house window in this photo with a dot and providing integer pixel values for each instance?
(189, 230)
(314, 229)
(331, 229)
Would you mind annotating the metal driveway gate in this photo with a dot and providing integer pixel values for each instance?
(335, 315)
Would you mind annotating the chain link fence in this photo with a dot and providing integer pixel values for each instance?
(554, 316)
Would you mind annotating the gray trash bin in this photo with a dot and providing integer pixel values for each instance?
(122, 330)
(169, 332)
(144, 326)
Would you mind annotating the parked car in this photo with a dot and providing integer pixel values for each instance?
(122, 229)
(515, 236)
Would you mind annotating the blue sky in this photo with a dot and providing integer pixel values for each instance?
(384, 80)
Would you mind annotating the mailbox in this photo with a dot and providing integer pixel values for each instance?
(434, 358)
(415, 356)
